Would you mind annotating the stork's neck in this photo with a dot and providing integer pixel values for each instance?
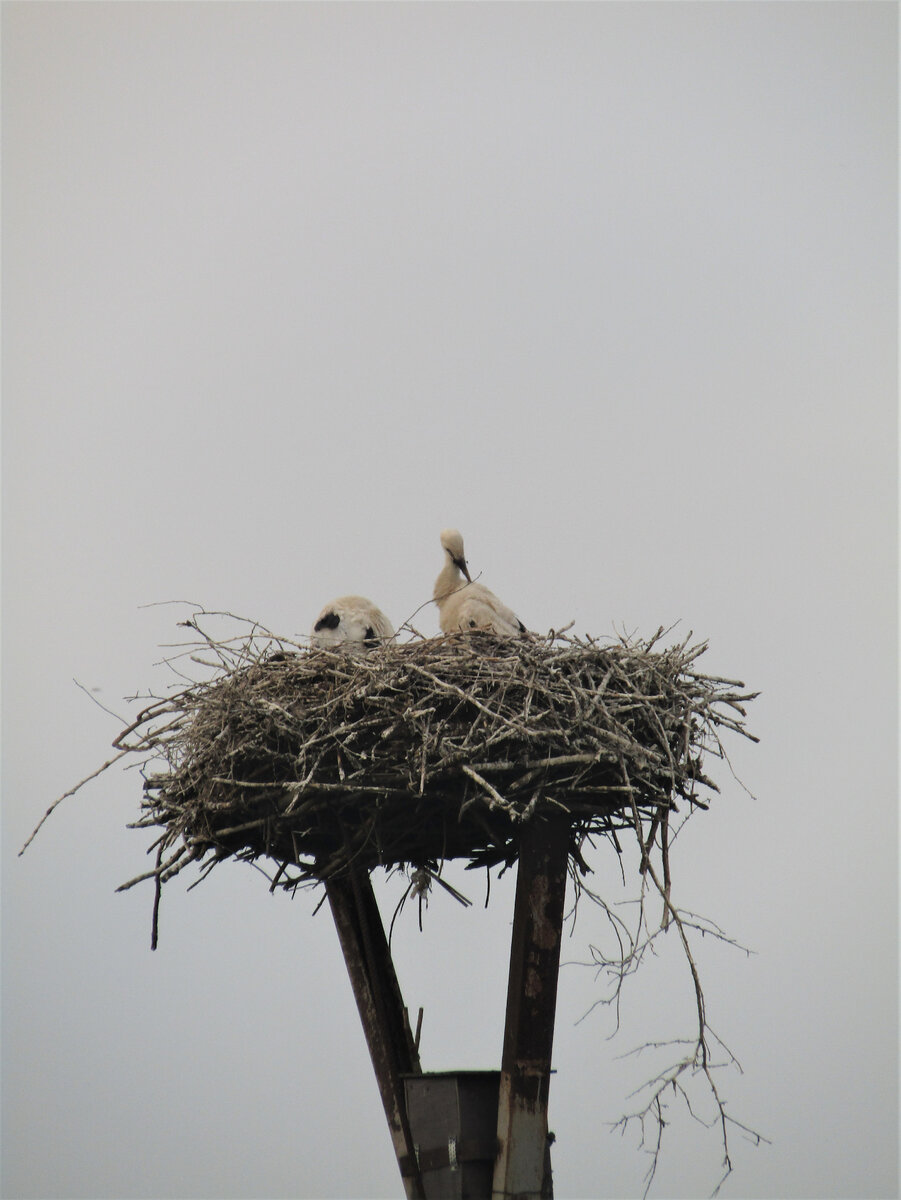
(449, 579)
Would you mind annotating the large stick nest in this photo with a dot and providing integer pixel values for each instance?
(425, 751)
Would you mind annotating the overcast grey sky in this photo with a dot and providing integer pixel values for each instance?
(288, 288)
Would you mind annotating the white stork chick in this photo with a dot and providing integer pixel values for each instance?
(464, 606)
(351, 622)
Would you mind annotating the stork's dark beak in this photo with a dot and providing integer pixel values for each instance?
(461, 563)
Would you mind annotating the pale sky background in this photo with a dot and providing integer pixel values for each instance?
(288, 288)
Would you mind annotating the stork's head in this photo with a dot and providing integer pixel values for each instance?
(351, 622)
(452, 543)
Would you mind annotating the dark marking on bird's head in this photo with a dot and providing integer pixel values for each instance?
(331, 620)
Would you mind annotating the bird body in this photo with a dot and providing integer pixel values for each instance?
(464, 605)
(351, 621)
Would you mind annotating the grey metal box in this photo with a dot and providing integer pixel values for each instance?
(453, 1119)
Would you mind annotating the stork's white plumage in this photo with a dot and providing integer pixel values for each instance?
(351, 621)
(464, 605)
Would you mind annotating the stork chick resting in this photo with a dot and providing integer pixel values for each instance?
(464, 605)
(351, 621)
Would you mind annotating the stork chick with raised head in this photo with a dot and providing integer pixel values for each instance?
(352, 622)
(464, 605)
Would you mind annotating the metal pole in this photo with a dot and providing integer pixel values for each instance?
(381, 1008)
(522, 1168)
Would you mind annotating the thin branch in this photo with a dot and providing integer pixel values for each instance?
(71, 792)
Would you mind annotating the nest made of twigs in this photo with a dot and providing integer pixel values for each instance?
(425, 751)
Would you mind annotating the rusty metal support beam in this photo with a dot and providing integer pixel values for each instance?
(381, 1008)
(522, 1169)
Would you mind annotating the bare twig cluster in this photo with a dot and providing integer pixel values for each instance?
(692, 1072)
(419, 752)
(423, 751)
(698, 1058)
